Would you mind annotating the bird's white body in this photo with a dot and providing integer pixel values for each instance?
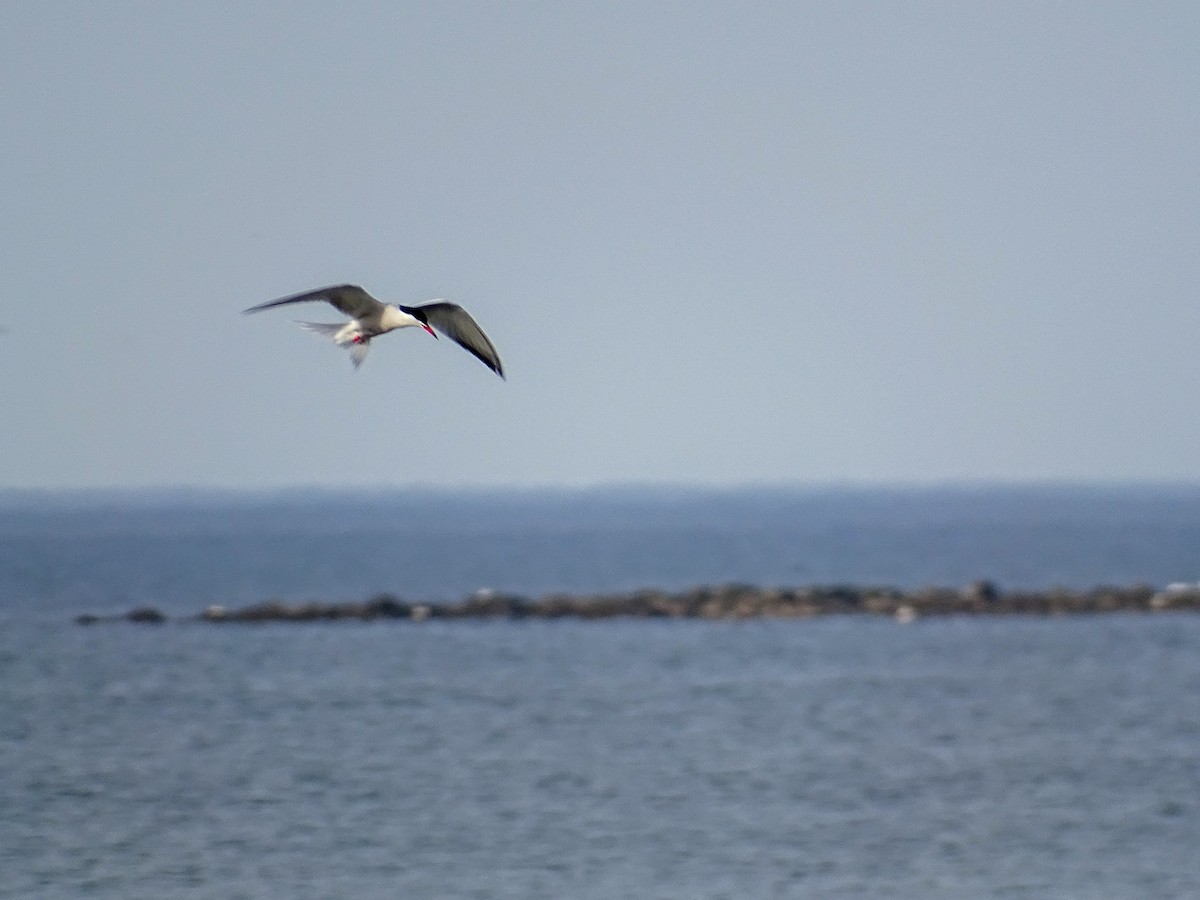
(376, 322)
(356, 334)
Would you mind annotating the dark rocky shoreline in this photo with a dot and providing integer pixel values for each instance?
(722, 602)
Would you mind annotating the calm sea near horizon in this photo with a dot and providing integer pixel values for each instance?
(843, 757)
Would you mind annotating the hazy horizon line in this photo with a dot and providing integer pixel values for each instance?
(850, 485)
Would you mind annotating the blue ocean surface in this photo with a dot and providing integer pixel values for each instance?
(101, 552)
(835, 758)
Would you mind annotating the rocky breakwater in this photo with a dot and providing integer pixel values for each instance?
(732, 601)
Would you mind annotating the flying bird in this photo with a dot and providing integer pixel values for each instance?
(370, 318)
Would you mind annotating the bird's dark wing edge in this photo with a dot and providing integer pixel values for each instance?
(456, 323)
(347, 298)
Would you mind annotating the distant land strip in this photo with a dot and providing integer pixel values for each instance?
(731, 601)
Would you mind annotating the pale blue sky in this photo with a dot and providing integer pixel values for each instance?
(713, 242)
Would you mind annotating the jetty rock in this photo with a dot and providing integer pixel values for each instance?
(143, 615)
(383, 606)
(728, 601)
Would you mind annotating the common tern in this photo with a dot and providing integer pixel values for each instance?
(370, 318)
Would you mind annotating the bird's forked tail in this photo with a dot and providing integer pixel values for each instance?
(343, 337)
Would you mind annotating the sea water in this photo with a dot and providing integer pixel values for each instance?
(62, 554)
(841, 757)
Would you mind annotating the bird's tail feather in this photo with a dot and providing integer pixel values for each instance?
(329, 329)
(343, 337)
(358, 352)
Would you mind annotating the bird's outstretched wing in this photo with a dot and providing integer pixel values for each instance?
(347, 298)
(455, 323)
